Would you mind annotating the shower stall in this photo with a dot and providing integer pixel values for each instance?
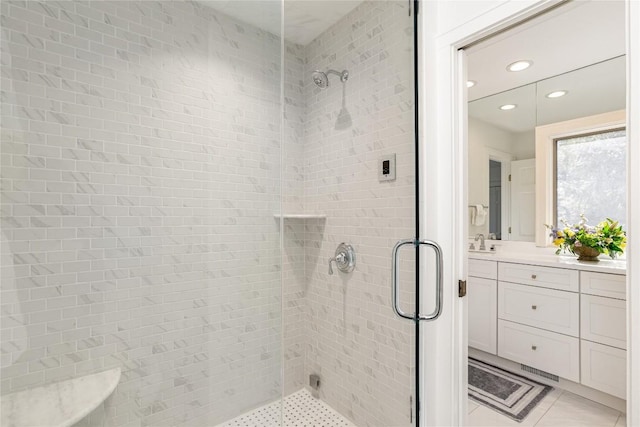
(176, 177)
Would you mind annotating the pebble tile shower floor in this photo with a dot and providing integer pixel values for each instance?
(300, 410)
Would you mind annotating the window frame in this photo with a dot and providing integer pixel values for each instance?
(546, 137)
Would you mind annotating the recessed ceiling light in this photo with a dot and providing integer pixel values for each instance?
(507, 107)
(557, 94)
(471, 83)
(520, 65)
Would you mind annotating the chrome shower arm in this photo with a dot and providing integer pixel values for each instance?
(344, 74)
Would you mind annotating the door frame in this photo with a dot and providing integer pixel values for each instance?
(443, 183)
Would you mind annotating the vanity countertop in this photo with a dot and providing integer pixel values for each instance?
(605, 265)
(59, 404)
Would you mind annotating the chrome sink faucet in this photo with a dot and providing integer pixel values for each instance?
(480, 237)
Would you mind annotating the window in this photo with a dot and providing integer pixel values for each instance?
(591, 177)
(580, 168)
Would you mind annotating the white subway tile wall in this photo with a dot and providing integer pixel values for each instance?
(293, 262)
(141, 170)
(362, 352)
(141, 146)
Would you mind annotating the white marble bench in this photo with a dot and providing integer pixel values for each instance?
(59, 404)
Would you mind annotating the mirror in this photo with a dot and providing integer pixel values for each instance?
(502, 142)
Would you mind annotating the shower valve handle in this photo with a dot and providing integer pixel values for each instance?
(338, 259)
(345, 258)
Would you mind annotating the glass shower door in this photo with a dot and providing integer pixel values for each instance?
(349, 177)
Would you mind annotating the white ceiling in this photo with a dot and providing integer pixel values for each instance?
(570, 37)
(590, 90)
(560, 44)
(520, 119)
(304, 20)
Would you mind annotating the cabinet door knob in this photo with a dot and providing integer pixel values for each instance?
(533, 276)
(534, 347)
(534, 307)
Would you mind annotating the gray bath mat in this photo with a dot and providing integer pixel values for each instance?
(508, 393)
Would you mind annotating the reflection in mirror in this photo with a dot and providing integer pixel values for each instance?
(596, 89)
(508, 138)
(495, 199)
(501, 137)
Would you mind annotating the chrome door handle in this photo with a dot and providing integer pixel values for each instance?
(395, 294)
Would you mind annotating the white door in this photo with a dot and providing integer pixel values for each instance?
(523, 200)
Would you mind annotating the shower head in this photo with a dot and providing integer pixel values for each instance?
(322, 79)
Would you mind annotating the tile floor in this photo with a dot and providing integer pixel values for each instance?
(300, 410)
(558, 409)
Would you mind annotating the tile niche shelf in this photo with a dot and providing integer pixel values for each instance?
(300, 216)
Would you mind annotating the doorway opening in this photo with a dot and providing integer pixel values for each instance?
(507, 320)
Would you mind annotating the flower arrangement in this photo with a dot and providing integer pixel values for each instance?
(606, 238)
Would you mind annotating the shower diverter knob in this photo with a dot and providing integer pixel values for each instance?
(345, 258)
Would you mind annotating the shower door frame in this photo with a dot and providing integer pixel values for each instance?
(443, 179)
(416, 111)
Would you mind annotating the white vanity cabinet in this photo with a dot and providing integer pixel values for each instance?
(543, 277)
(564, 321)
(539, 318)
(549, 309)
(550, 352)
(482, 294)
(603, 356)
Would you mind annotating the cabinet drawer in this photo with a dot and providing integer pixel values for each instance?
(556, 311)
(604, 368)
(554, 353)
(603, 320)
(481, 268)
(546, 277)
(482, 300)
(604, 285)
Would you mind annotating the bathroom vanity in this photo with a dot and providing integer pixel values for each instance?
(556, 317)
